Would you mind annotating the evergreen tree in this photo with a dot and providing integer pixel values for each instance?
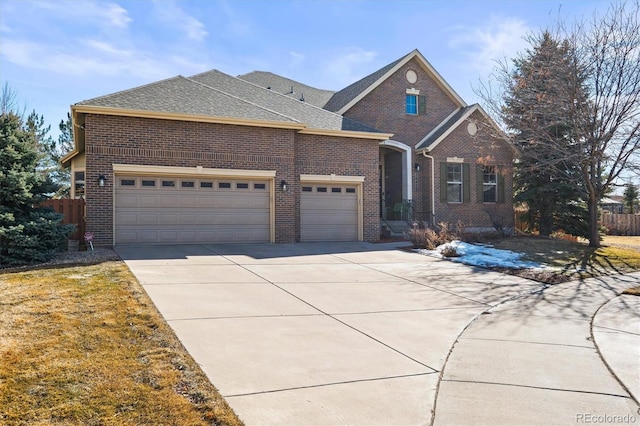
(630, 198)
(538, 112)
(27, 233)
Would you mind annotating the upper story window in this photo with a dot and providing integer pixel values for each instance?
(412, 104)
(415, 104)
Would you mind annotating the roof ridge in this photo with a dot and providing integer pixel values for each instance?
(308, 104)
(289, 99)
(237, 97)
(283, 77)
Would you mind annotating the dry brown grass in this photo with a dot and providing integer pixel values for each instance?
(633, 291)
(84, 345)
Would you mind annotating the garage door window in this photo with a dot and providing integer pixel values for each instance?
(351, 190)
(242, 185)
(224, 185)
(259, 186)
(148, 183)
(336, 190)
(206, 184)
(169, 183)
(321, 189)
(127, 182)
(188, 184)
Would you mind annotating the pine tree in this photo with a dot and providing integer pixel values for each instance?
(538, 111)
(27, 233)
(630, 198)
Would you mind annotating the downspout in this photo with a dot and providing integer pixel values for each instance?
(433, 186)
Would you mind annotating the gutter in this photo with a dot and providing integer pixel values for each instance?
(433, 186)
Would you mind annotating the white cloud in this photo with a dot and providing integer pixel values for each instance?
(349, 66)
(500, 38)
(98, 13)
(97, 47)
(169, 12)
(296, 58)
(98, 59)
(236, 25)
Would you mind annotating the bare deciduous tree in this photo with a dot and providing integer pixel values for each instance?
(605, 129)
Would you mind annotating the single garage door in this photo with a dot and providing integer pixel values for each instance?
(178, 210)
(328, 213)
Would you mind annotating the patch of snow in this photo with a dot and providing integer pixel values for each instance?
(482, 255)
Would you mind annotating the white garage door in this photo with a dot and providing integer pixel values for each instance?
(178, 210)
(328, 213)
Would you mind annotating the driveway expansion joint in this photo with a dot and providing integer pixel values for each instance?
(518, 385)
(322, 385)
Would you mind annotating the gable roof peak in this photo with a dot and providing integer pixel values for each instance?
(346, 98)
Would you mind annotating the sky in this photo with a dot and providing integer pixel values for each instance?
(57, 53)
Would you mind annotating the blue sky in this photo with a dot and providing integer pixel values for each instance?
(57, 53)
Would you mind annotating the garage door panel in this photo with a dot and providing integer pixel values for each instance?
(188, 219)
(147, 219)
(167, 218)
(126, 218)
(161, 215)
(147, 236)
(127, 200)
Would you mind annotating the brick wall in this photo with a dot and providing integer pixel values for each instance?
(483, 148)
(325, 155)
(129, 140)
(142, 141)
(384, 107)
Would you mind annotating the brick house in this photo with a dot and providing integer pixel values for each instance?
(261, 158)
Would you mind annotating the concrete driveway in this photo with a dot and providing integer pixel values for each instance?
(340, 333)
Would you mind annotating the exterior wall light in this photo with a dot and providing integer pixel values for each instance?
(283, 185)
(101, 180)
(416, 166)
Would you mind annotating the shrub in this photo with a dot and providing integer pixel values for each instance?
(33, 238)
(449, 251)
(424, 237)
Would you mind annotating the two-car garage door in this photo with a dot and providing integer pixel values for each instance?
(173, 210)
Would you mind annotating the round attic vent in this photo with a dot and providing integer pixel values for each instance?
(412, 77)
(472, 128)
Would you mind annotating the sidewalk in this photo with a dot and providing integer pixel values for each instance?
(533, 360)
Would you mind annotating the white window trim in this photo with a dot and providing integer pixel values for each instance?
(459, 183)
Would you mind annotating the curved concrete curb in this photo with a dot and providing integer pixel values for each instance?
(532, 360)
(616, 333)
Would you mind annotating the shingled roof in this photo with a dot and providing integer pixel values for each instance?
(288, 87)
(216, 94)
(346, 95)
(300, 111)
(180, 95)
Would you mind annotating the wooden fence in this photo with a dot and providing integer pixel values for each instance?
(73, 211)
(621, 224)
